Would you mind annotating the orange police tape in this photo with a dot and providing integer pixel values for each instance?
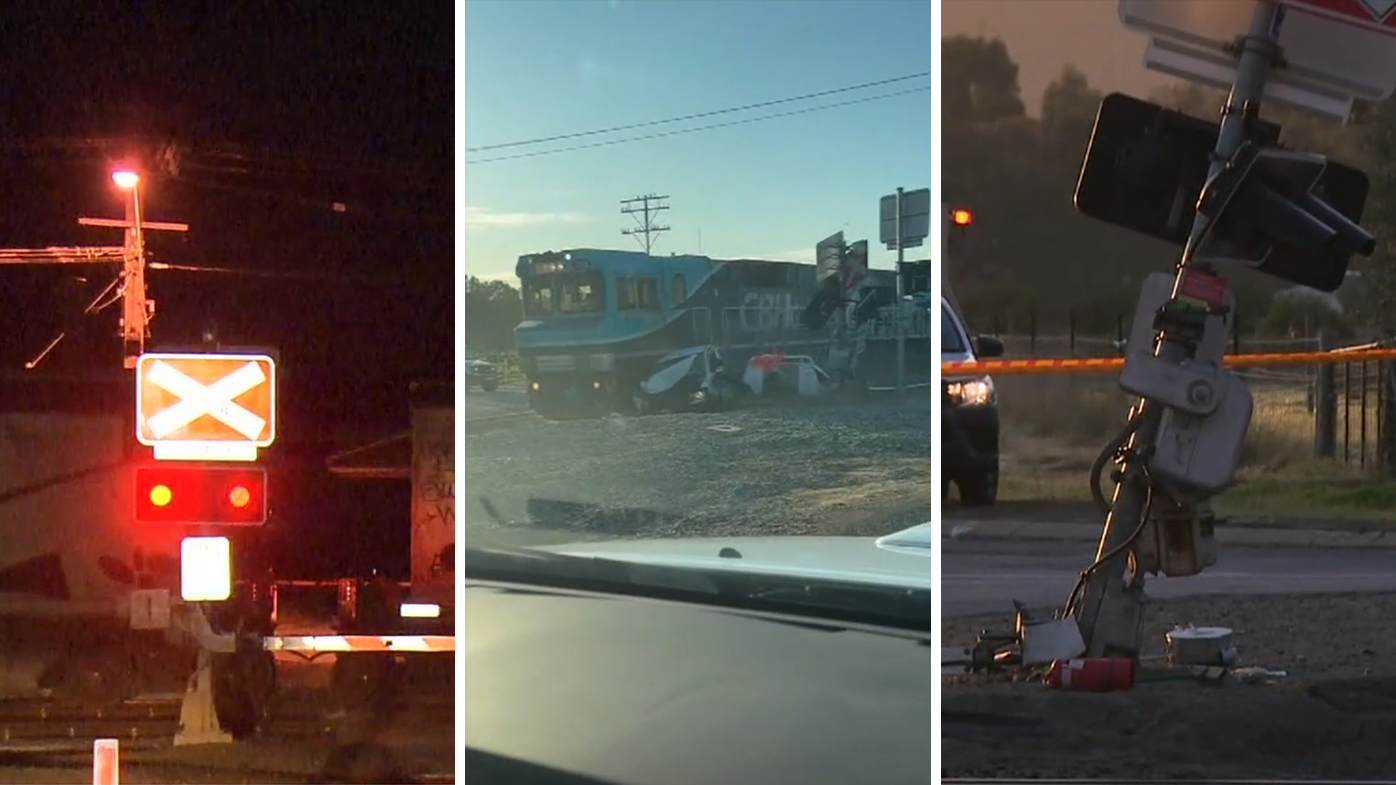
(1103, 364)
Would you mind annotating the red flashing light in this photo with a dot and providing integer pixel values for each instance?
(961, 217)
(239, 496)
(201, 494)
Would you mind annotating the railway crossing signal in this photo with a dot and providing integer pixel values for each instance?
(1264, 211)
(1292, 215)
(205, 569)
(219, 407)
(189, 494)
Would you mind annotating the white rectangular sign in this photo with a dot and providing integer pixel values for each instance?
(1324, 55)
(205, 398)
(916, 218)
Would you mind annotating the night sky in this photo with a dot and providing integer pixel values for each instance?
(309, 146)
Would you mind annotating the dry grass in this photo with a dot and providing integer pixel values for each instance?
(1055, 425)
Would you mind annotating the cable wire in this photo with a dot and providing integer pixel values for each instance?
(248, 159)
(358, 209)
(336, 277)
(695, 129)
(699, 115)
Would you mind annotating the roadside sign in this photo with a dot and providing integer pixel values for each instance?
(855, 266)
(828, 256)
(433, 500)
(205, 401)
(916, 219)
(1336, 51)
(1375, 15)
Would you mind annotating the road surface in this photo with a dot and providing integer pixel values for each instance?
(799, 469)
(477, 403)
(305, 737)
(1322, 618)
(984, 576)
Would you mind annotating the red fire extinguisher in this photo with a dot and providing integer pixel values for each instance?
(1093, 674)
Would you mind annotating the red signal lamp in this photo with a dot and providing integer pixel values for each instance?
(201, 494)
(239, 496)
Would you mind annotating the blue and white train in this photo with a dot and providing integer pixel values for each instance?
(596, 321)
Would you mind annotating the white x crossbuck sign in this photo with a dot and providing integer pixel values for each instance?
(215, 400)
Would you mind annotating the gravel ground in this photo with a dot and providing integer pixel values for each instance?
(1086, 512)
(263, 761)
(812, 469)
(414, 738)
(1332, 716)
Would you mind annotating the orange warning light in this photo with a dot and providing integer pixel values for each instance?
(239, 496)
(960, 217)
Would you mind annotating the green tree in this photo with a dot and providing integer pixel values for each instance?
(490, 312)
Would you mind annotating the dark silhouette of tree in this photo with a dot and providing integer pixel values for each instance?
(491, 311)
(1031, 256)
(979, 80)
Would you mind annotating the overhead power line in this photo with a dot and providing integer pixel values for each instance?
(699, 115)
(354, 208)
(695, 129)
(267, 159)
(307, 275)
(226, 156)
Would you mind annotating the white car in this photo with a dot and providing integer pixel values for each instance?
(969, 417)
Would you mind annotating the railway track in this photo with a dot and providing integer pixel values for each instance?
(151, 722)
(141, 723)
(302, 741)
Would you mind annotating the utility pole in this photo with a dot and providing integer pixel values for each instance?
(901, 296)
(137, 309)
(644, 225)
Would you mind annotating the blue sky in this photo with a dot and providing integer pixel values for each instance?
(767, 189)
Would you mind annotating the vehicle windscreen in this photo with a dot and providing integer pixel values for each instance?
(597, 432)
(580, 293)
(951, 341)
(563, 293)
(692, 362)
(538, 296)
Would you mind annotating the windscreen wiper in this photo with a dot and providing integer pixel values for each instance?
(822, 599)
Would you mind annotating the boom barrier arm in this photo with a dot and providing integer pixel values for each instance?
(1104, 364)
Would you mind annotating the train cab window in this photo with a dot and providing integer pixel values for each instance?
(580, 293)
(625, 293)
(538, 297)
(680, 290)
(647, 293)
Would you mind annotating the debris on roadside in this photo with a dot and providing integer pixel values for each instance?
(1253, 675)
(1200, 646)
(1093, 674)
(1052, 652)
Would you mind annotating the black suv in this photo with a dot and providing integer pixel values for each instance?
(969, 415)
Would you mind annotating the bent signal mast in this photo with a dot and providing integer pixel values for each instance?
(1255, 204)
